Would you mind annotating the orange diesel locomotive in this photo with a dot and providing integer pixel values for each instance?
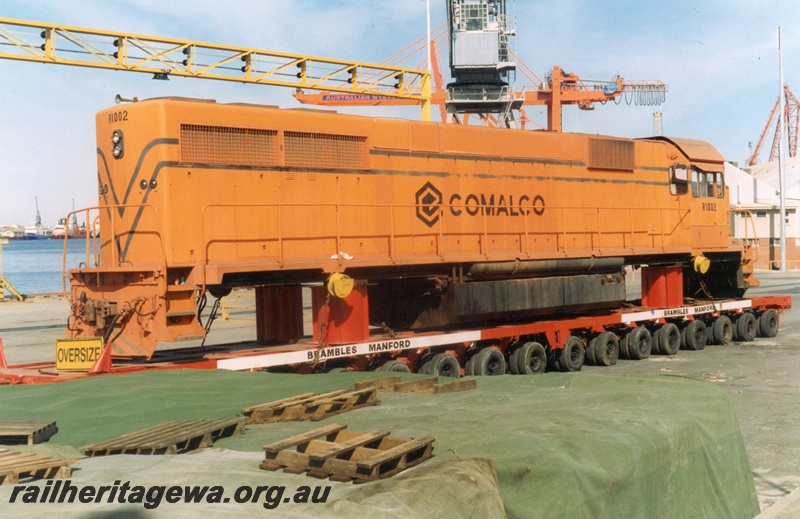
(438, 225)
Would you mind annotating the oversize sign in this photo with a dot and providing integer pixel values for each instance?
(77, 354)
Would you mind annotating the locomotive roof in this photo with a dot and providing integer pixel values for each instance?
(698, 152)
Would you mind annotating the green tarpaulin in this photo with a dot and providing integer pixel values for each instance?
(554, 445)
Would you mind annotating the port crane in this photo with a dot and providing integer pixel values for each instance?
(340, 82)
(482, 65)
(791, 116)
(5, 285)
(42, 42)
(437, 37)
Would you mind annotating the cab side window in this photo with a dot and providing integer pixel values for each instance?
(678, 180)
(710, 185)
(698, 184)
(707, 185)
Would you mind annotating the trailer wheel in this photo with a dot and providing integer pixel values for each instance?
(441, 365)
(394, 366)
(640, 343)
(572, 355)
(488, 362)
(668, 338)
(468, 372)
(605, 349)
(768, 323)
(623, 346)
(513, 362)
(693, 336)
(531, 359)
(590, 351)
(722, 330)
(746, 327)
(655, 339)
(710, 333)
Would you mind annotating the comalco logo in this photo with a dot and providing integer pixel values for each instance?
(429, 202)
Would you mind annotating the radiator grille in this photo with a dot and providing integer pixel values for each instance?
(611, 154)
(229, 146)
(322, 150)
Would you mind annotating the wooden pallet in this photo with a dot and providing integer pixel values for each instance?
(310, 406)
(169, 437)
(346, 455)
(15, 465)
(26, 433)
(428, 385)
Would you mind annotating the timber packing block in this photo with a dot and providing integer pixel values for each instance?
(346, 455)
(430, 386)
(169, 437)
(26, 433)
(14, 465)
(381, 384)
(311, 406)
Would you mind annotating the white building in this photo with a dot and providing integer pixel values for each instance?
(755, 199)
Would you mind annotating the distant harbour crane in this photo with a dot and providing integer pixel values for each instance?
(482, 65)
(791, 116)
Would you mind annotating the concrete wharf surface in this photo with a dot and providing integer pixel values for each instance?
(762, 378)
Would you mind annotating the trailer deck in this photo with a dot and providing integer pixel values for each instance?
(307, 356)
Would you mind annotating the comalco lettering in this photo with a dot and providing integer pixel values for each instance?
(496, 205)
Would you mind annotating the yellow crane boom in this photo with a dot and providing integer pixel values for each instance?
(59, 44)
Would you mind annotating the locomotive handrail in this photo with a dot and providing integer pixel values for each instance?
(605, 217)
(748, 218)
(776, 264)
(89, 234)
(92, 237)
(95, 225)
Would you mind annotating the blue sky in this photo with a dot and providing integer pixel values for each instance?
(718, 57)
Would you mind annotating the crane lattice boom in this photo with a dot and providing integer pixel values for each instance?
(58, 44)
(791, 114)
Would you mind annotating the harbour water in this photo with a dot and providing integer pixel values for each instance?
(34, 266)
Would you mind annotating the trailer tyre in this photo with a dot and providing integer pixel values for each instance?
(746, 327)
(488, 362)
(640, 343)
(623, 346)
(605, 349)
(710, 333)
(722, 330)
(768, 323)
(441, 365)
(590, 351)
(668, 338)
(655, 338)
(513, 362)
(693, 336)
(395, 366)
(468, 372)
(531, 359)
(572, 356)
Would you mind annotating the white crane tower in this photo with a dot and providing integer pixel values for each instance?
(479, 61)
